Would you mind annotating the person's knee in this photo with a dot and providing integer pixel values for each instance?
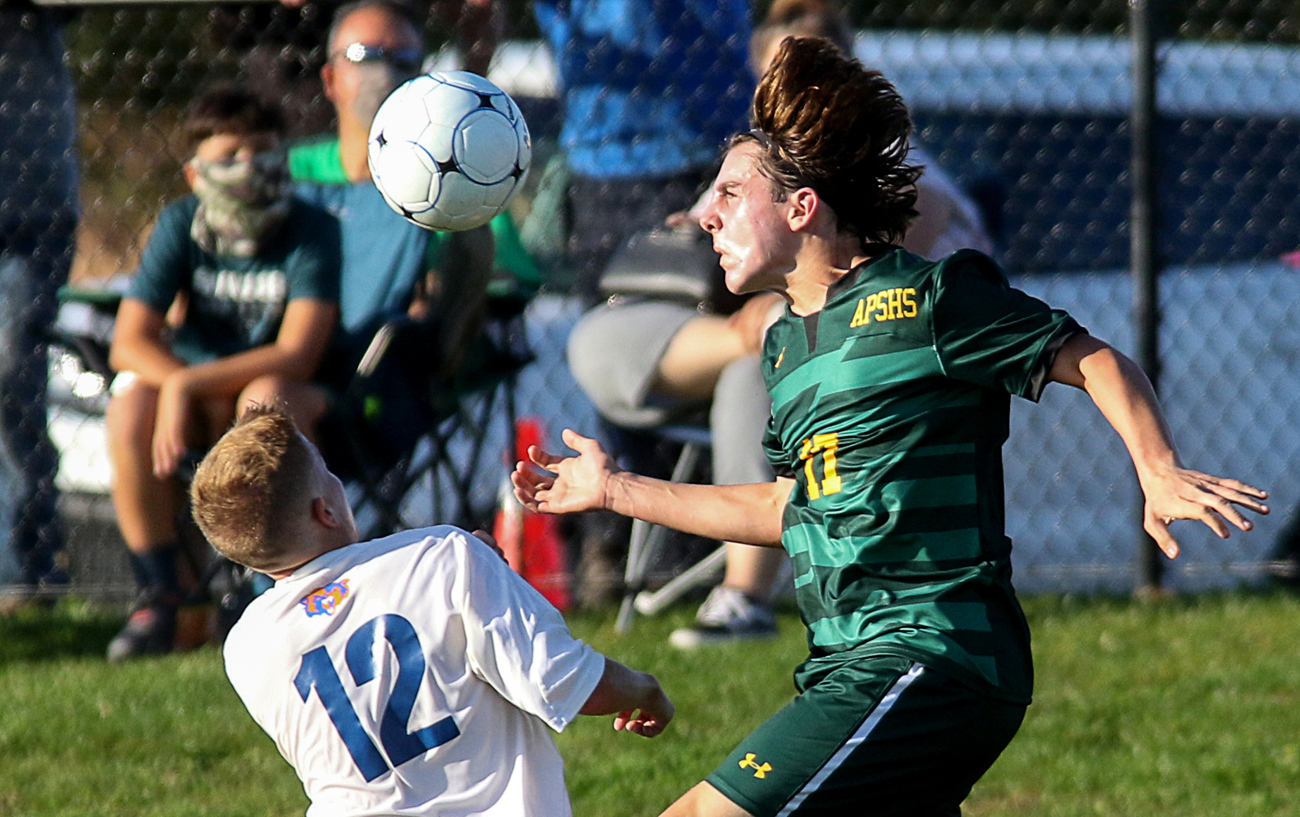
(305, 402)
(590, 355)
(613, 354)
(130, 415)
(267, 390)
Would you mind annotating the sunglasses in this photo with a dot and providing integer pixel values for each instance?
(407, 59)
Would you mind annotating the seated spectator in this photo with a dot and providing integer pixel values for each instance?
(250, 275)
(389, 264)
(484, 662)
(647, 363)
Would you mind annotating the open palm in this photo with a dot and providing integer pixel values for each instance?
(565, 484)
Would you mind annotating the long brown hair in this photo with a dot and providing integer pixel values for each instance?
(825, 122)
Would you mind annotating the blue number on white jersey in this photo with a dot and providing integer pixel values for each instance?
(317, 672)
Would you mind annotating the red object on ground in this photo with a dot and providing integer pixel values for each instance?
(531, 541)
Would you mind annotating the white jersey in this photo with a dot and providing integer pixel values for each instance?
(414, 675)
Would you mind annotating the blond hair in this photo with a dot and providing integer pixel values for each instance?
(825, 122)
(253, 487)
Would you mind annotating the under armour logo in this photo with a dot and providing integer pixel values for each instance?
(760, 770)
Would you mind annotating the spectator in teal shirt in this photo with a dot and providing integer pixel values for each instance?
(233, 304)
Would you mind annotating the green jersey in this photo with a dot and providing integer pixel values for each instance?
(889, 410)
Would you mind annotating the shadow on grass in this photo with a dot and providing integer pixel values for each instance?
(67, 630)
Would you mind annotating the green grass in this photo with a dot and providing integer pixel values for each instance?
(1181, 706)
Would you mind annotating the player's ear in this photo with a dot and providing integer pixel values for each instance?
(802, 206)
(323, 515)
(327, 79)
(190, 172)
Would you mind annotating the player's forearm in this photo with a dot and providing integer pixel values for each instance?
(1124, 395)
(622, 689)
(149, 360)
(138, 343)
(227, 376)
(748, 514)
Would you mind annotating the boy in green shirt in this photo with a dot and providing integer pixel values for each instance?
(250, 278)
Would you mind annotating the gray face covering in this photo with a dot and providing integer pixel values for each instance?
(240, 203)
(375, 81)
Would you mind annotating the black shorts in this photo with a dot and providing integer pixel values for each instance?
(880, 735)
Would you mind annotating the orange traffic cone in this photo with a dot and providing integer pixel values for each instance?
(531, 541)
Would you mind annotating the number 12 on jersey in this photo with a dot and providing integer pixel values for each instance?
(826, 445)
(317, 673)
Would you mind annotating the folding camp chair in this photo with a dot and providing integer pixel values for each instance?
(400, 422)
(446, 420)
(648, 541)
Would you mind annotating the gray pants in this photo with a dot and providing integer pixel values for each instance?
(614, 352)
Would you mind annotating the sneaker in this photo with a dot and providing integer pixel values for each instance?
(726, 616)
(151, 630)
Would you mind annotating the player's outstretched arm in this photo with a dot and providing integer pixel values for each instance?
(1124, 395)
(634, 698)
(749, 514)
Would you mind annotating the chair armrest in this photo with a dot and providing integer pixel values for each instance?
(99, 298)
(383, 339)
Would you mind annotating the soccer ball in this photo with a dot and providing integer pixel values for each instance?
(448, 150)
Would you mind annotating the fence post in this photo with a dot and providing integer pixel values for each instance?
(1143, 225)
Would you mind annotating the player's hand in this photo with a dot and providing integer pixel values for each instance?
(171, 426)
(651, 719)
(1179, 493)
(565, 484)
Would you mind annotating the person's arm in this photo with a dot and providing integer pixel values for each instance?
(477, 25)
(138, 346)
(1124, 395)
(640, 704)
(749, 514)
(296, 352)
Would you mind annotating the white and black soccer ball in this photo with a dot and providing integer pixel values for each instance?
(448, 150)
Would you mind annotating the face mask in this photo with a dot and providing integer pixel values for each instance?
(375, 81)
(240, 202)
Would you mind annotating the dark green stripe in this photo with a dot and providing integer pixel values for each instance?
(924, 614)
(894, 367)
(882, 343)
(920, 551)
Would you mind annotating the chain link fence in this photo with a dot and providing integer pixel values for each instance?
(1026, 104)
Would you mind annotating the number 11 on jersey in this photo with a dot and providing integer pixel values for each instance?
(826, 445)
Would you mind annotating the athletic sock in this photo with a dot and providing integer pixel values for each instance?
(155, 569)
